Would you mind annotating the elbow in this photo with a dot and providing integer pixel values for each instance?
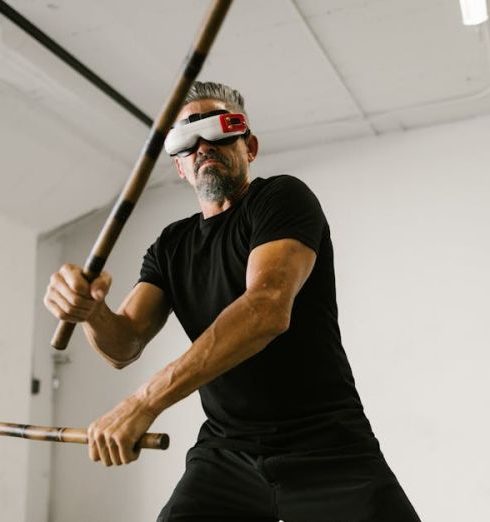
(119, 364)
(277, 320)
(282, 324)
(272, 312)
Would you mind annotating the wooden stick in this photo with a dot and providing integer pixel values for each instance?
(148, 157)
(75, 435)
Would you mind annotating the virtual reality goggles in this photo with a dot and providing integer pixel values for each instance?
(220, 127)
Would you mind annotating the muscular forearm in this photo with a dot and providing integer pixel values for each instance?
(275, 274)
(113, 337)
(243, 329)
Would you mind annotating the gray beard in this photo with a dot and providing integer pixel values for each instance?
(213, 185)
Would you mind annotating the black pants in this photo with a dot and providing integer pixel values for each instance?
(233, 486)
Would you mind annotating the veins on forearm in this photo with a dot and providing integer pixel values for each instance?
(221, 347)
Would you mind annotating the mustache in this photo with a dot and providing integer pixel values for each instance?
(211, 155)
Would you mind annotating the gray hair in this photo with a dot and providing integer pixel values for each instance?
(216, 91)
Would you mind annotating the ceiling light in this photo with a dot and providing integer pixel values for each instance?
(474, 11)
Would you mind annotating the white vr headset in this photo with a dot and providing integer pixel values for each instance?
(220, 127)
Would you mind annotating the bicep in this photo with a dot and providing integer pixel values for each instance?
(279, 269)
(147, 309)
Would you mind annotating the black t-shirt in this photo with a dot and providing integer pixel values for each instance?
(298, 393)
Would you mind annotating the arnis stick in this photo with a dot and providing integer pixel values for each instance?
(148, 157)
(75, 435)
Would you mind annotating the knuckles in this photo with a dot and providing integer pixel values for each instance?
(101, 443)
(54, 279)
(76, 300)
(71, 277)
(46, 301)
(69, 305)
(69, 267)
(80, 287)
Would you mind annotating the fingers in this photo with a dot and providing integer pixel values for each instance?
(59, 307)
(110, 450)
(73, 276)
(99, 287)
(70, 297)
(67, 301)
(99, 447)
(129, 452)
(114, 451)
(112, 438)
(93, 452)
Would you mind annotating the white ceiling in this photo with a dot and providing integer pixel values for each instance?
(312, 71)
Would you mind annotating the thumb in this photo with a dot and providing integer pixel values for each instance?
(100, 286)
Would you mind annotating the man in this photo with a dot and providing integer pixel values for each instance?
(251, 280)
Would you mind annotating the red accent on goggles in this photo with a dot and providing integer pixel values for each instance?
(218, 127)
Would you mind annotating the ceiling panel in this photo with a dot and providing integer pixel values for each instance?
(65, 147)
(312, 71)
(279, 67)
(128, 44)
(395, 53)
(263, 48)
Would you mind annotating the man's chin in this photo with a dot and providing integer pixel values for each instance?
(211, 171)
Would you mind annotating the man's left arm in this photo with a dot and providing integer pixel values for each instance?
(276, 272)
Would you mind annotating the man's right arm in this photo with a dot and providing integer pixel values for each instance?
(118, 336)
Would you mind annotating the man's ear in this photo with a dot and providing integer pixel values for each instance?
(252, 147)
(180, 170)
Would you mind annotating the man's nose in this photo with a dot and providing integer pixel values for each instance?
(204, 146)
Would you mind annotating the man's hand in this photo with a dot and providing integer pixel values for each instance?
(70, 297)
(112, 438)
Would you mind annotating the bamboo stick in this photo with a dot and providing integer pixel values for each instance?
(73, 435)
(148, 157)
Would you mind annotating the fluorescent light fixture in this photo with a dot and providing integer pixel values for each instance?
(474, 11)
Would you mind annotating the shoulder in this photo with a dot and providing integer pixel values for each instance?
(283, 207)
(282, 189)
(283, 186)
(278, 182)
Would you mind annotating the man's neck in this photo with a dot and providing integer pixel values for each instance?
(213, 208)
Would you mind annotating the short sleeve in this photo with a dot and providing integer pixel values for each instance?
(287, 209)
(154, 267)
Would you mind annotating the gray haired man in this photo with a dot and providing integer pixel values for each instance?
(251, 280)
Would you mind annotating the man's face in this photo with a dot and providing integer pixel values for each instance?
(217, 172)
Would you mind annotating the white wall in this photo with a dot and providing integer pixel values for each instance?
(17, 266)
(409, 216)
(41, 404)
(25, 330)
